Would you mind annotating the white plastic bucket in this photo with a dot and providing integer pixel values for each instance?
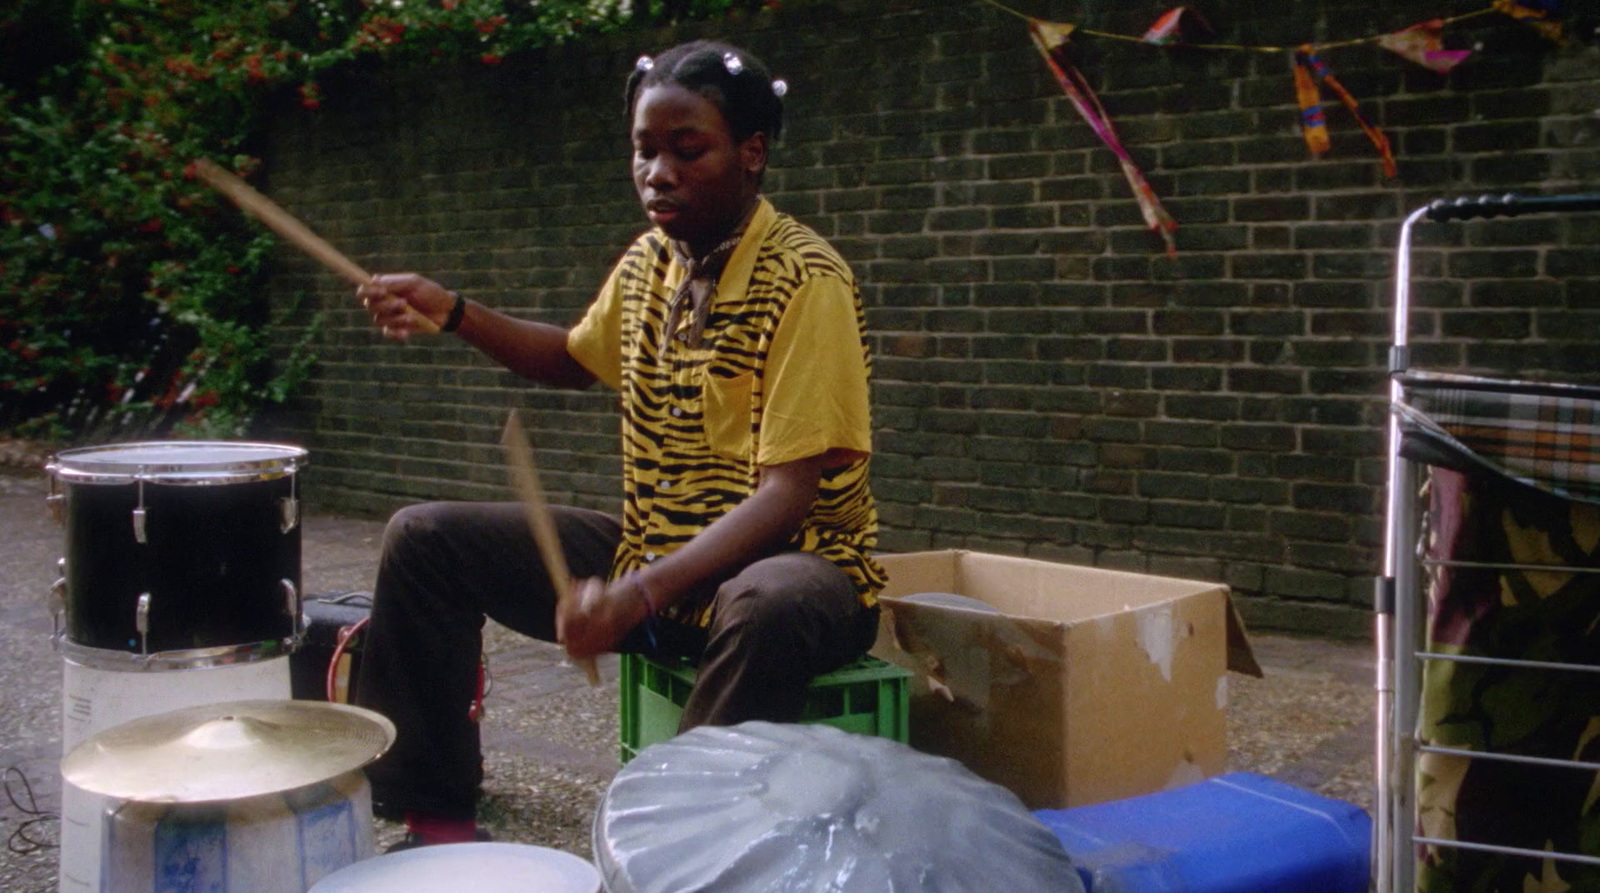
(96, 699)
(274, 843)
(477, 867)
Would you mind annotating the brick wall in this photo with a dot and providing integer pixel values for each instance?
(1048, 383)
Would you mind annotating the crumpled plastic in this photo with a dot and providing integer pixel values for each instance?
(771, 808)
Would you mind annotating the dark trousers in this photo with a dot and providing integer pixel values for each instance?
(445, 566)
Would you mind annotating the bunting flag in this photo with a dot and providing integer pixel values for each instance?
(1309, 71)
(1169, 28)
(1313, 123)
(1423, 44)
(1052, 40)
(1540, 15)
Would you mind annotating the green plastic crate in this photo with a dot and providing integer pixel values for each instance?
(868, 697)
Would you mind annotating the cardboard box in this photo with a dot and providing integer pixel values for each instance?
(1069, 685)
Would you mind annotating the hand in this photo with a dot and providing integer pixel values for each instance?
(596, 617)
(397, 303)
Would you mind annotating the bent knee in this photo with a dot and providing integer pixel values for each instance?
(414, 525)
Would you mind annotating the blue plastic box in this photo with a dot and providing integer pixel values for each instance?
(1239, 833)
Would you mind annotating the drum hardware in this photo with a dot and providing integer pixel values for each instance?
(296, 607)
(289, 506)
(139, 534)
(55, 502)
(141, 622)
(190, 659)
(58, 598)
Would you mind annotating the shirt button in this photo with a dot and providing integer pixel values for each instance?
(665, 485)
(649, 556)
(677, 412)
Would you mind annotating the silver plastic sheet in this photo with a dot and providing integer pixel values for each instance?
(769, 808)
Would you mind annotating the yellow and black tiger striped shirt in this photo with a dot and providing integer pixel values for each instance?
(780, 374)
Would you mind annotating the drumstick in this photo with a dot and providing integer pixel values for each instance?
(283, 223)
(519, 457)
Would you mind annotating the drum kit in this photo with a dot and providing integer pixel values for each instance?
(188, 767)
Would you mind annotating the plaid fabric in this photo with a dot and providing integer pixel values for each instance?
(1544, 435)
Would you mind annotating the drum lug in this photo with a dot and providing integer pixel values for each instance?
(58, 598)
(296, 606)
(139, 535)
(54, 501)
(141, 622)
(289, 509)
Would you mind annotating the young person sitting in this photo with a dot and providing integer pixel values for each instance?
(734, 336)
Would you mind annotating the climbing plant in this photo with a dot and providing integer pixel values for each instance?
(131, 298)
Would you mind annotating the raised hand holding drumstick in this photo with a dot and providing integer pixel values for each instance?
(403, 304)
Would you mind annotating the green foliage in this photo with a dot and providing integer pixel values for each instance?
(131, 298)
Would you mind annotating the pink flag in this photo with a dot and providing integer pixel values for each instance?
(1421, 44)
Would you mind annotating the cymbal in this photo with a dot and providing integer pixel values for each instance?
(228, 751)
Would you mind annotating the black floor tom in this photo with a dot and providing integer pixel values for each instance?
(178, 553)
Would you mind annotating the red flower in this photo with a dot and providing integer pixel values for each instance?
(490, 59)
(310, 95)
(153, 225)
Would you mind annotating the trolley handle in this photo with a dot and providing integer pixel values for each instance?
(1510, 205)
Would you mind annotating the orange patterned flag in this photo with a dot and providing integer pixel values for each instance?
(1539, 15)
(1307, 64)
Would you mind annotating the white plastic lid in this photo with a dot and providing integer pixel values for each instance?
(471, 867)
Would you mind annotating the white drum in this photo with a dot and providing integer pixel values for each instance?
(273, 843)
(95, 699)
(474, 867)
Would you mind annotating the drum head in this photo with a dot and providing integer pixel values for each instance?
(177, 462)
(477, 867)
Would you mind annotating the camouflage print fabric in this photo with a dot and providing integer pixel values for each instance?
(1509, 613)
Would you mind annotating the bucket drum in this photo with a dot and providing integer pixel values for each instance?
(274, 843)
(95, 699)
(262, 796)
(179, 554)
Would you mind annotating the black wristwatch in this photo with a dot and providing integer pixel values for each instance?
(453, 321)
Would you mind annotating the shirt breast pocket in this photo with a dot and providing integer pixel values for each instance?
(727, 414)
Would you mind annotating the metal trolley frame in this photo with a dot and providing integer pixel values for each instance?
(1400, 601)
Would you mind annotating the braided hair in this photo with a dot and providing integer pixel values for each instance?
(733, 80)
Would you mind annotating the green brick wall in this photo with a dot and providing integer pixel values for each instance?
(1048, 382)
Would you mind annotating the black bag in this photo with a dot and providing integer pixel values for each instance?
(328, 616)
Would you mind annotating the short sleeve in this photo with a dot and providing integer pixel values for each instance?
(815, 393)
(596, 341)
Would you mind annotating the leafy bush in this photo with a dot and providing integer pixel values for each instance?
(130, 294)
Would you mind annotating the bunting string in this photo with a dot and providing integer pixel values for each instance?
(1421, 43)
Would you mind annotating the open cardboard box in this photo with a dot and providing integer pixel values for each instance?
(1074, 685)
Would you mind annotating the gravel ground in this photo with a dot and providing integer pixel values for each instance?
(550, 739)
